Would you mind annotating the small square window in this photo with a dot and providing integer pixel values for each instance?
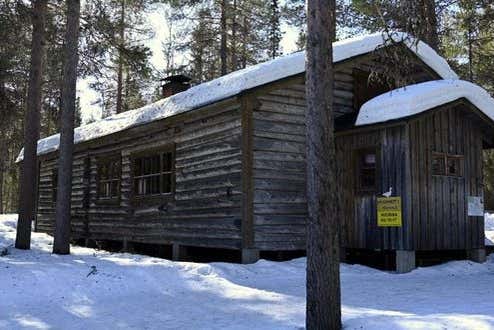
(454, 165)
(447, 165)
(438, 164)
(367, 170)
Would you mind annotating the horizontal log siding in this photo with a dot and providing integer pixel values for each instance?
(205, 210)
(280, 207)
(207, 207)
(439, 203)
(358, 210)
(46, 205)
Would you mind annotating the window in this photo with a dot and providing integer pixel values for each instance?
(154, 173)
(109, 178)
(367, 170)
(447, 165)
(438, 164)
(453, 165)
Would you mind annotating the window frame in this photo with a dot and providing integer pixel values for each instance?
(445, 158)
(160, 197)
(460, 159)
(358, 154)
(106, 160)
(442, 156)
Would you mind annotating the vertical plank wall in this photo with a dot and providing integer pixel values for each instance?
(358, 210)
(439, 204)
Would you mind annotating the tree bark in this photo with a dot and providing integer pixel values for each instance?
(470, 50)
(29, 167)
(234, 55)
(223, 42)
(61, 244)
(429, 22)
(323, 309)
(119, 106)
(245, 33)
(2, 169)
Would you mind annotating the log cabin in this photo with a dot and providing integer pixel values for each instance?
(221, 165)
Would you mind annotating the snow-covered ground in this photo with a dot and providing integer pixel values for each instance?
(39, 290)
(489, 228)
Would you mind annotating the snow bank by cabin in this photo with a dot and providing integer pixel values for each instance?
(489, 229)
(93, 289)
(236, 82)
(415, 99)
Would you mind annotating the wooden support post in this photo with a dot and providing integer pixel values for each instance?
(405, 261)
(477, 255)
(179, 252)
(250, 256)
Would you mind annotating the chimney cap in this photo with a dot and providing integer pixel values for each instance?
(180, 78)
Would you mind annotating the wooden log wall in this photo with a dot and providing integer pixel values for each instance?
(280, 205)
(439, 203)
(206, 209)
(46, 191)
(212, 149)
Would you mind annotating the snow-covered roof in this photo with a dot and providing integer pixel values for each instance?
(414, 99)
(239, 81)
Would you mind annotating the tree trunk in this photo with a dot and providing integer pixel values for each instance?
(2, 169)
(119, 106)
(323, 272)
(29, 167)
(429, 24)
(223, 43)
(61, 244)
(234, 55)
(245, 33)
(275, 22)
(470, 50)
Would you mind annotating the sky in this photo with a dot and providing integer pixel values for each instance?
(91, 110)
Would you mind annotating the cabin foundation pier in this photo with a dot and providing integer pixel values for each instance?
(405, 261)
(477, 255)
(250, 256)
(179, 252)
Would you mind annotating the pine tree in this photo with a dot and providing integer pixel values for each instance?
(61, 244)
(112, 37)
(14, 68)
(274, 31)
(323, 245)
(29, 165)
(227, 35)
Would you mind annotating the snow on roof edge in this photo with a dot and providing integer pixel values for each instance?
(236, 82)
(415, 99)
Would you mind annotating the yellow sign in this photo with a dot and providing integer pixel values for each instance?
(389, 211)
